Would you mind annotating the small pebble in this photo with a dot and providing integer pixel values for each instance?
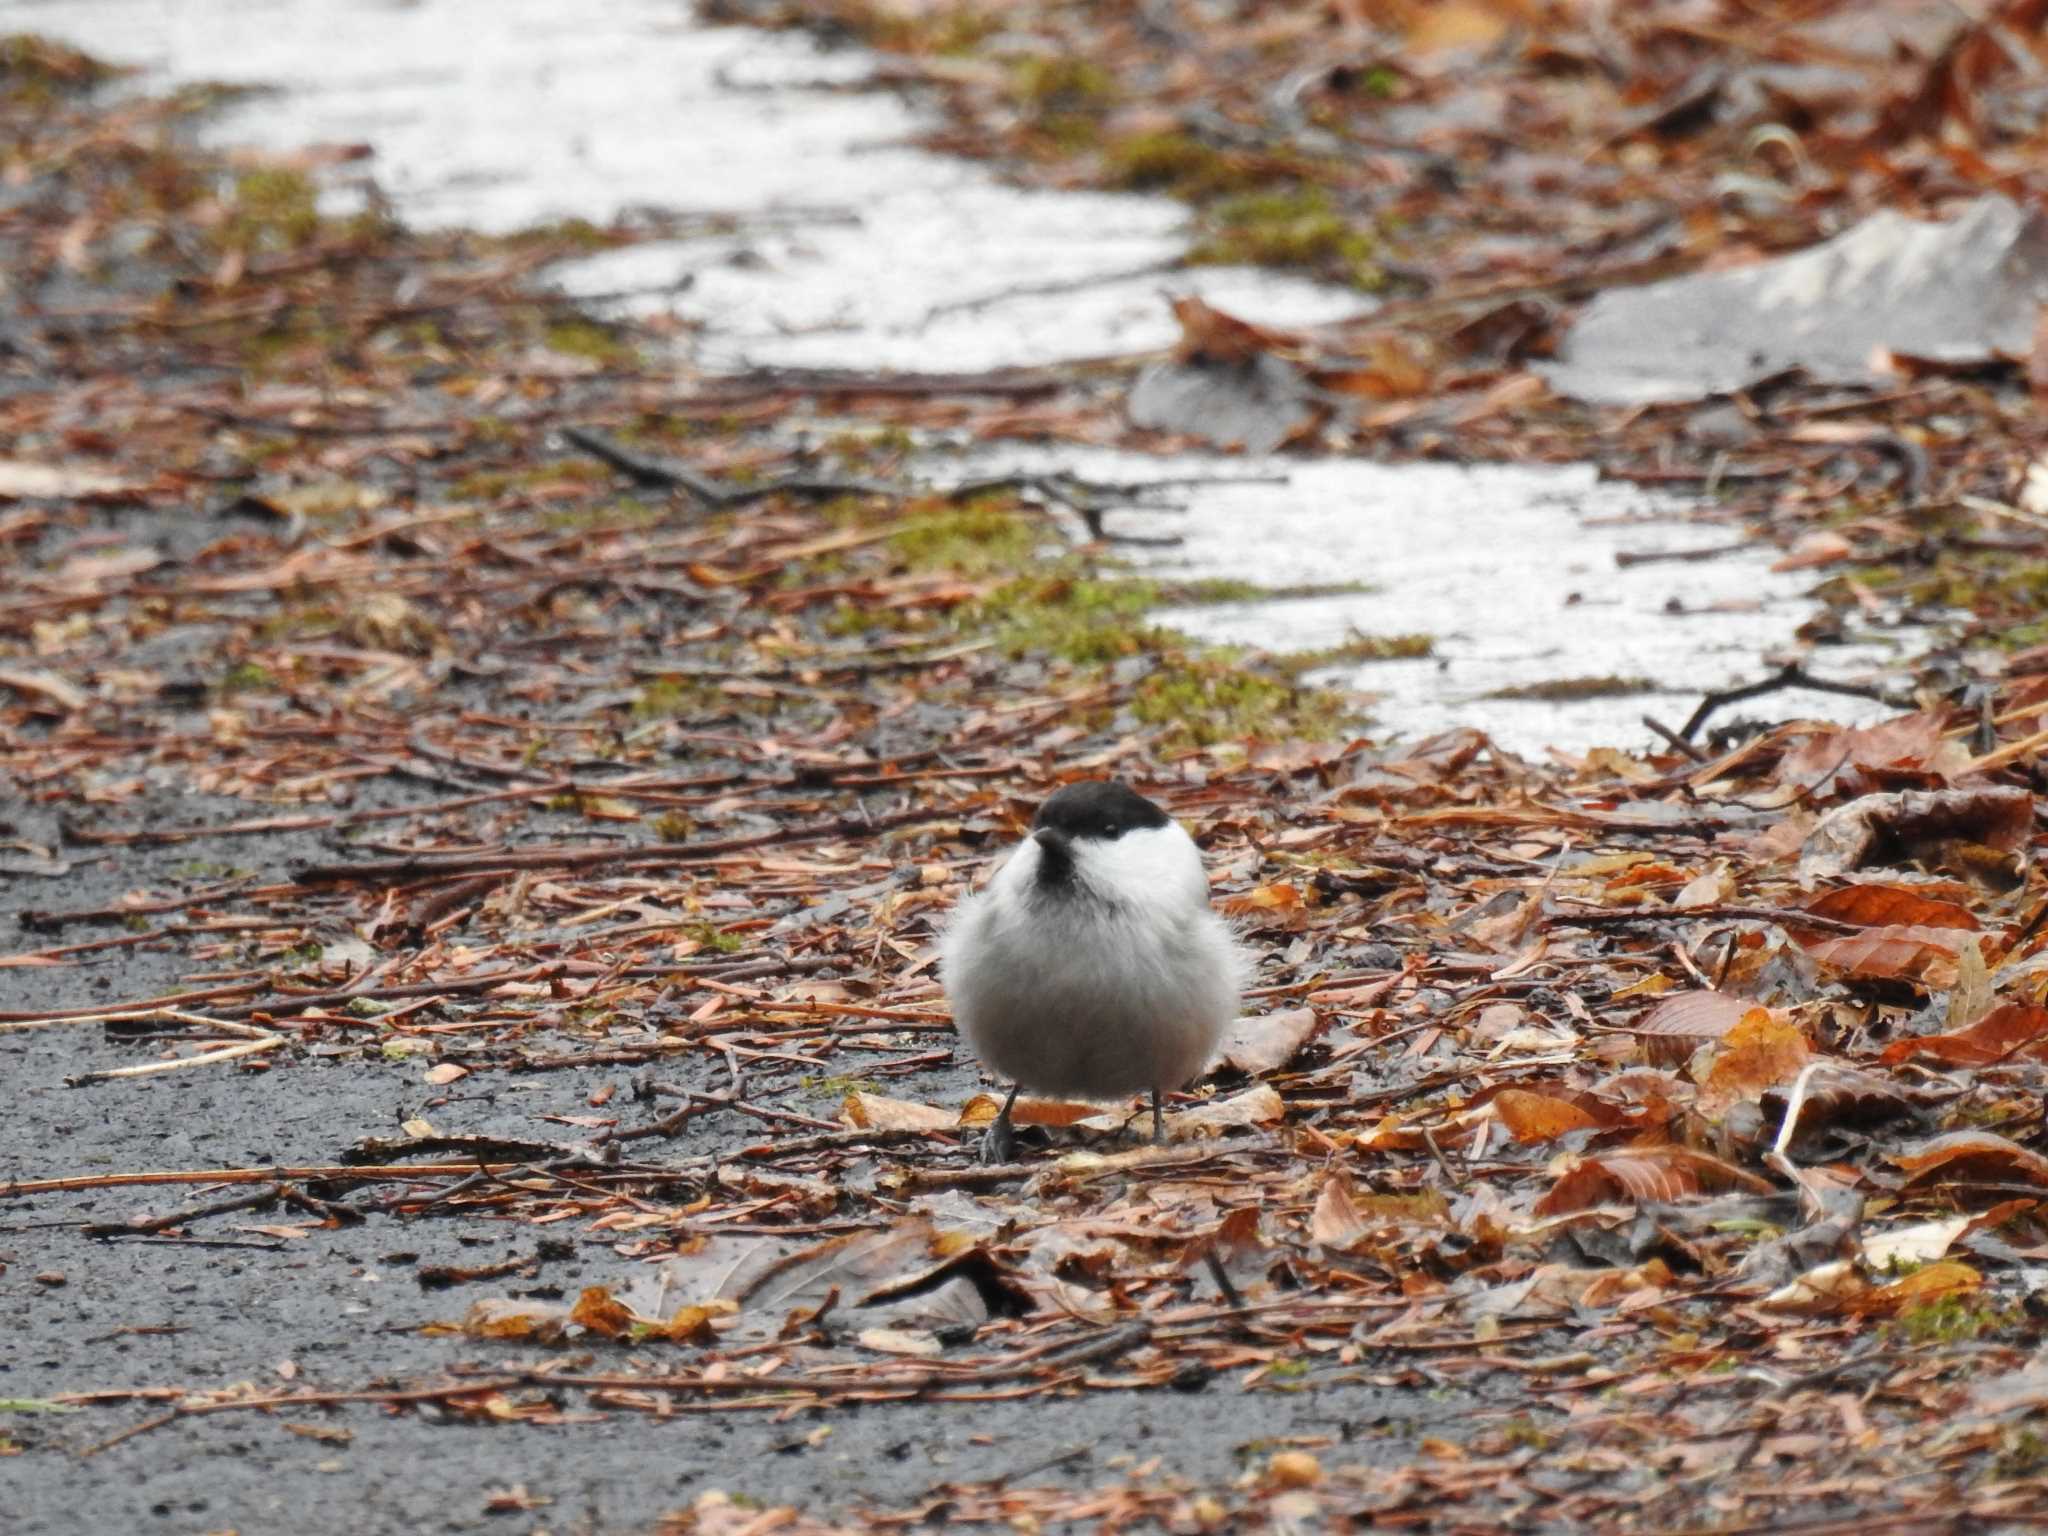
(51, 1277)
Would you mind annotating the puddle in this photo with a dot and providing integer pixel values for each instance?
(856, 250)
(1520, 576)
(853, 249)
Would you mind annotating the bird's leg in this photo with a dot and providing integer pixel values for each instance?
(1158, 1122)
(998, 1144)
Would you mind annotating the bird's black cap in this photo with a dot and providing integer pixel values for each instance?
(1099, 808)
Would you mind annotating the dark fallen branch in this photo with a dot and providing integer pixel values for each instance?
(1090, 501)
(1794, 676)
(184, 1215)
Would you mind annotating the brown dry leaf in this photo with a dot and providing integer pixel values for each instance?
(1877, 904)
(503, 1317)
(1207, 334)
(1257, 1105)
(2011, 1029)
(1643, 1174)
(879, 1112)
(1972, 1157)
(982, 1109)
(1815, 549)
(1269, 1041)
(1762, 1052)
(1336, 1221)
(602, 1313)
(1917, 824)
(1899, 953)
(46, 685)
(1911, 744)
(1279, 896)
(1676, 1026)
(1944, 1277)
(1540, 1117)
(1694, 1016)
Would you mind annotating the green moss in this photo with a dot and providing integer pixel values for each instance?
(574, 235)
(1084, 620)
(1174, 161)
(838, 1087)
(708, 937)
(1215, 696)
(951, 30)
(1571, 689)
(35, 68)
(1061, 80)
(668, 697)
(1062, 98)
(2022, 1453)
(1527, 1434)
(587, 339)
(298, 621)
(1300, 227)
(247, 678)
(974, 538)
(275, 209)
(673, 826)
(1957, 1318)
(1356, 650)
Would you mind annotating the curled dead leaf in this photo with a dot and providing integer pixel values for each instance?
(2009, 1030)
(1269, 1041)
(1642, 1175)
(1972, 1157)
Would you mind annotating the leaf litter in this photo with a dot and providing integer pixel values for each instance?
(1688, 1100)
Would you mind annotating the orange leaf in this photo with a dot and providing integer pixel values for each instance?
(1944, 1277)
(879, 1112)
(1877, 905)
(603, 1314)
(1895, 953)
(1539, 1117)
(1761, 1052)
(1643, 1174)
(2011, 1029)
(1973, 1157)
(1208, 334)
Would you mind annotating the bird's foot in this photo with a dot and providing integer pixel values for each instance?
(998, 1145)
(1158, 1121)
(999, 1141)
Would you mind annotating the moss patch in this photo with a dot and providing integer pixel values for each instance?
(975, 538)
(1300, 227)
(1566, 690)
(1206, 697)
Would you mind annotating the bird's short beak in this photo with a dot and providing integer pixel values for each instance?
(1055, 855)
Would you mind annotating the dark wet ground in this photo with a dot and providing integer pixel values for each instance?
(343, 1309)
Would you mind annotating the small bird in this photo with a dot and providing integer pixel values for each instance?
(1093, 964)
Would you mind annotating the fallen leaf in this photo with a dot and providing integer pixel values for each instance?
(878, 1112)
(1269, 1041)
(1642, 1175)
(1540, 1117)
(2011, 1029)
(1763, 1051)
(1972, 1157)
(1901, 953)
